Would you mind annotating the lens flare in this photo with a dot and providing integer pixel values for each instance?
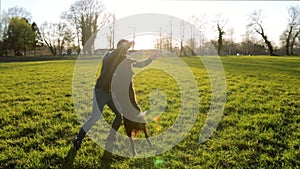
(158, 161)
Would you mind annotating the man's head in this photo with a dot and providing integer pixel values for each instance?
(124, 44)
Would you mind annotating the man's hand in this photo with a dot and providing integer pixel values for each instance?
(155, 55)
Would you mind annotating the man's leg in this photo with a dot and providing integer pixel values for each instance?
(99, 100)
(116, 122)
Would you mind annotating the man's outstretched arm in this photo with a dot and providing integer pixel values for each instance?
(143, 63)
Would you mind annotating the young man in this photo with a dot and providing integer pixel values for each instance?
(116, 65)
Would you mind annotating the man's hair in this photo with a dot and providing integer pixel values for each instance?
(120, 43)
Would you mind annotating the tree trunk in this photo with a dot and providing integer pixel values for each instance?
(270, 47)
(220, 39)
(181, 48)
(268, 43)
(287, 45)
(51, 48)
(293, 42)
(219, 46)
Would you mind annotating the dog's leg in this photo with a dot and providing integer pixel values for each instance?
(132, 143)
(147, 137)
(132, 147)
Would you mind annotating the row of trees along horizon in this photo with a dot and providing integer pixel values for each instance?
(20, 36)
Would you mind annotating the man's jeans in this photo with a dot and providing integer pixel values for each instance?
(101, 98)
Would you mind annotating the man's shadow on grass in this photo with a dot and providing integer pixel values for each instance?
(106, 159)
(69, 159)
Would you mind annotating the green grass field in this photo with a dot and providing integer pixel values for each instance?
(260, 127)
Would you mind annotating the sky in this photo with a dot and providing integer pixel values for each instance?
(236, 12)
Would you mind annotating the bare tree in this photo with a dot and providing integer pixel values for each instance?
(160, 39)
(191, 43)
(18, 12)
(55, 36)
(182, 31)
(231, 40)
(111, 26)
(292, 31)
(48, 34)
(295, 36)
(170, 39)
(200, 23)
(165, 40)
(293, 28)
(251, 45)
(192, 40)
(255, 24)
(64, 35)
(84, 16)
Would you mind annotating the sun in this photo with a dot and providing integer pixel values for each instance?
(144, 41)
